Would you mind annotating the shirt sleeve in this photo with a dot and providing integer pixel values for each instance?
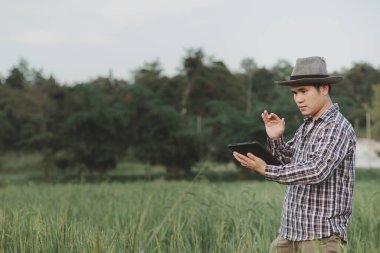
(281, 150)
(330, 150)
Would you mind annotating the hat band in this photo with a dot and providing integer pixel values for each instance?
(307, 76)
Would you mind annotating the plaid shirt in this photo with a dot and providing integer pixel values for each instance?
(318, 167)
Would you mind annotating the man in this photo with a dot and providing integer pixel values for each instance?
(318, 164)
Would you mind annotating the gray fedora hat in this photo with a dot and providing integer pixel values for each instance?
(310, 71)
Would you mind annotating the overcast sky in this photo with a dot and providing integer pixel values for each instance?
(76, 40)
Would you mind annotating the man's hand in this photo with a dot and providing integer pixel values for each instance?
(274, 126)
(251, 162)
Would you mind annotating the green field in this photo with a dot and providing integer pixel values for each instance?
(161, 217)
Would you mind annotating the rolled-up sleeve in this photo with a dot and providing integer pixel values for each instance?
(330, 150)
(281, 150)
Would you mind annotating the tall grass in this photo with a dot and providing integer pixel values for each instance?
(161, 217)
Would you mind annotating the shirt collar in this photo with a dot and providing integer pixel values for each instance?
(327, 114)
(330, 112)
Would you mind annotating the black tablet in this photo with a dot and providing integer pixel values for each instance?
(255, 148)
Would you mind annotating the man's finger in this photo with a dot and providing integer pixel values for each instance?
(237, 157)
(264, 117)
(241, 156)
(252, 156)
(274, 116)
(245, 165)
(265, 114)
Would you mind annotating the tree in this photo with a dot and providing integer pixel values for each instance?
(38, 79)
(88, 135)
(150, 76)
(7, 132)
(264, 86)
(192, 65)
(249, 67)
(358, 83)
(375, 111)
(225, 124)
(282, 69)
(160, 135)
(15, 79)
(20, 76)
(24, 114)
(215, 83)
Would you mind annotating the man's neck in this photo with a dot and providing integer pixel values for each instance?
(325, 107)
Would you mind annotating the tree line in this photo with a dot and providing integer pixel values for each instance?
(174, 121)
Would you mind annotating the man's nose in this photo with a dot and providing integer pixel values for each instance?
(299, 99)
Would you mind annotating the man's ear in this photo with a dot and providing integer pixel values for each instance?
(324, 88)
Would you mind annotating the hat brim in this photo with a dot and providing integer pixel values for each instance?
(311, 81)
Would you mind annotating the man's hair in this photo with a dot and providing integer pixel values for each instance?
(317, 86)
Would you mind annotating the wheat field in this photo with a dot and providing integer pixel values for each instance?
(161, 217)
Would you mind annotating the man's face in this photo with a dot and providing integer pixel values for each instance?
(310, 99)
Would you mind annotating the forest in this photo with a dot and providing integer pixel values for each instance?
(172, 121)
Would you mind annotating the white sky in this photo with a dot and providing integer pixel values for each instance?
(80, 39)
